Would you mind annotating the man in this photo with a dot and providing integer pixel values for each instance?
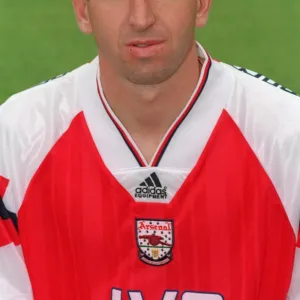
(153, 172)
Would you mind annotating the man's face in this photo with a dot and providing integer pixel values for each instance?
(144, 41)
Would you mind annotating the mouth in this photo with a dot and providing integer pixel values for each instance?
(141, 45)
(144, 43)
(145, 49)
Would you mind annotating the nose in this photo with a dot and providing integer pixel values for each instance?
(141, 15)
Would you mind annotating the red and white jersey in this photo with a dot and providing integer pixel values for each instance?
(214, 216)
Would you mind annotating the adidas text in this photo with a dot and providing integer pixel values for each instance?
(151, 187)
(151, 192)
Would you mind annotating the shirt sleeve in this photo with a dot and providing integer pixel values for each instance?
(14, 279)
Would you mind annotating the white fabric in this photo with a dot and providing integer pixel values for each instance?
(14, 281)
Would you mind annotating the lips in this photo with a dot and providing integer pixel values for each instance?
(145, 48)
(144, 43)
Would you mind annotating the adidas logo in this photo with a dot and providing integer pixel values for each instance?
(151, 188)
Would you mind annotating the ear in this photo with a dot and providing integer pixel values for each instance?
(203, 7)
(82, 15)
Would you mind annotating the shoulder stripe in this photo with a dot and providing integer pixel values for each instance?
(264, 78)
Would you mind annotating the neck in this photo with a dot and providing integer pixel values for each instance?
(148, 111)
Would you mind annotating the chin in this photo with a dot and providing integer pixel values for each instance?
(150, 78)
(149, 74)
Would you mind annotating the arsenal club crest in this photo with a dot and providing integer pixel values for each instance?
(155, 240)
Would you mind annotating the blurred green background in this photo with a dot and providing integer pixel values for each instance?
(40, 39)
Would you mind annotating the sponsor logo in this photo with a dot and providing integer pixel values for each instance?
(151, 188)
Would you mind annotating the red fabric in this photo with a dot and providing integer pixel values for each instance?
(232, 235)
(3, 185)
(8, 233)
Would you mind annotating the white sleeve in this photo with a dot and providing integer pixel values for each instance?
(14, 279)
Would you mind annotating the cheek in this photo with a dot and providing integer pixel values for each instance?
(106, 33)
(106, 20)
(181, 30)
(180, 17)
